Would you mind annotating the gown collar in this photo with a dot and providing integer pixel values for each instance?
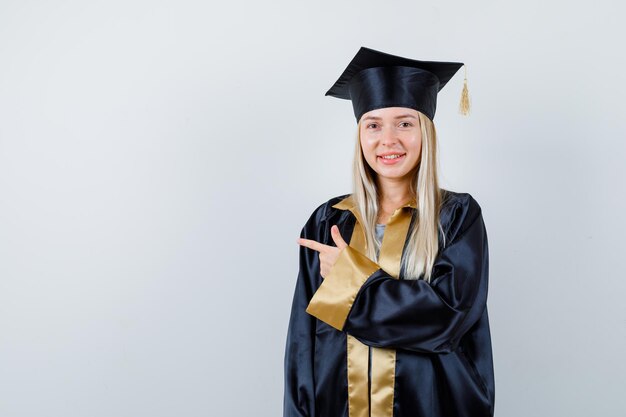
(348, 203)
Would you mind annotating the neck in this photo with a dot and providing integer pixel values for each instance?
(393, 193)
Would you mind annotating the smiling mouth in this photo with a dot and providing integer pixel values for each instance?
(394, 156)
(391, 159)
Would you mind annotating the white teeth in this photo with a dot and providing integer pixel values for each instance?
(391, 156)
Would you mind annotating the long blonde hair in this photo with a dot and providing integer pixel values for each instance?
(423, 242)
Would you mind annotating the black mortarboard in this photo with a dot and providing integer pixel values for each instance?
(375, 79)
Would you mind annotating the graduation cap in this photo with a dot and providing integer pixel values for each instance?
(375, 79)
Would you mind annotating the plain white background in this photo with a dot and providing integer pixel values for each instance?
(158, 160)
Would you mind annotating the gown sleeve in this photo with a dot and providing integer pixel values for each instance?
(299, 386)
(359, 297)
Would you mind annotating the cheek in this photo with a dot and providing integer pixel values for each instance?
(418, 147)
(368, 150)
(370, 156)
(416, 144)
(418, 152)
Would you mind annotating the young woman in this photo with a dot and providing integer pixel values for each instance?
(389, 315)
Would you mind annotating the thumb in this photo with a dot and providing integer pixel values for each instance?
(336, 235)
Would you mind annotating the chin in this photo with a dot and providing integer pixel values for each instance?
(394, 175)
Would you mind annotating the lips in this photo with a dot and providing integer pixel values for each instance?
(391, 161)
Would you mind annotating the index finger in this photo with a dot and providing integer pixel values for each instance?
(311, 244)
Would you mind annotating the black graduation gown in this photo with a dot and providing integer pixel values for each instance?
(439, 331)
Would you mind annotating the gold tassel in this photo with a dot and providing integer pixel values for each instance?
(464, 105)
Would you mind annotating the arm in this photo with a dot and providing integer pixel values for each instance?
(360, 298)
(299, 388)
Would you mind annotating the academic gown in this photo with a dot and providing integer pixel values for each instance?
(364, 342)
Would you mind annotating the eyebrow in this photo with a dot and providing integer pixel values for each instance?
(397, 117)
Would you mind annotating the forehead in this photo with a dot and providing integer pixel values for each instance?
(390, 113)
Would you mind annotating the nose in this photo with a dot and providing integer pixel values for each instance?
(388, 136)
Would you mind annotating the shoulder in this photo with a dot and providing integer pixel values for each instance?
(460, 201)
(459, 211)
(321, 213)
(325, 209)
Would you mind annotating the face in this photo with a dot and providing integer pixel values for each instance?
(391, 131)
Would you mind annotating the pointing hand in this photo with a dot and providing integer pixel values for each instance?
(328, 254)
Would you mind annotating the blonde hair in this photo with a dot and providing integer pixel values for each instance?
(423, 242)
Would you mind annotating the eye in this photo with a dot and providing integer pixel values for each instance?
(406, 123)
(370, 125)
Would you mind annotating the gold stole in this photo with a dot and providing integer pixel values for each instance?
(383, 359)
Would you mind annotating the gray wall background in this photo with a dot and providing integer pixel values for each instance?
(159, 158)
